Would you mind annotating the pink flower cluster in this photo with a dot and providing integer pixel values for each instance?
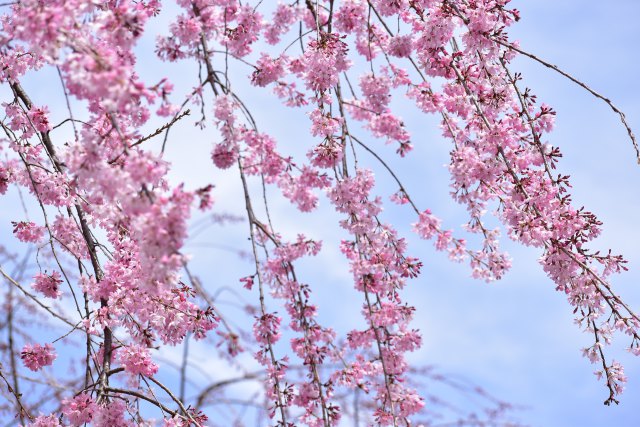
(137, 360)
(380, 268)
(48, 284)
(28, 231)
(36, 356)
(313, 343)
(112, 414)
(79, 410)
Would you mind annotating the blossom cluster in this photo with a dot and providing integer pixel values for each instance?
(37, 356)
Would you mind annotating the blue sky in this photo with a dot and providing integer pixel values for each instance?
(516, 337)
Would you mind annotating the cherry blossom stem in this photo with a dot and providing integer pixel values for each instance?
(252, 221)
(605, 368)
(12, 352)
(16, 394)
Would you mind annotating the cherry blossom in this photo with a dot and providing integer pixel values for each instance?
(137, 361)
(36, 356)
(110, 220)
(48, 284)
(80, 409)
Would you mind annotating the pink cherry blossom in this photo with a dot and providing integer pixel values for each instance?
(48, 284)
(28, 231)
(79, 410)
(137, 360)
(36, 356)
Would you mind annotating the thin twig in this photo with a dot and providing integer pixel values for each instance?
(555, 68)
